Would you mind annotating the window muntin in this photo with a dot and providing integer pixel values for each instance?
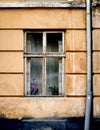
(44, 63)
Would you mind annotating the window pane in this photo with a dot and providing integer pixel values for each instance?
(34, 42)
(53, 41)
(34, 76)
(54, 76)
(44, 70)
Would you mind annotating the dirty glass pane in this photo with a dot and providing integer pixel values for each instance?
(35, 80)
(54, 76)
(53, 41)
(34, 42)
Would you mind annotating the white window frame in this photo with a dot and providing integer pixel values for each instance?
(44, 55)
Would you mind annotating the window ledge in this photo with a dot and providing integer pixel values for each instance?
(43, 4)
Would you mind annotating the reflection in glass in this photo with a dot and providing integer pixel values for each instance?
(35, 78)
(53, 78)
(53, 40)
(34, 42)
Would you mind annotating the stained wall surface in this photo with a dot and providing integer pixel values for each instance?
(96, 59)
(13, 23)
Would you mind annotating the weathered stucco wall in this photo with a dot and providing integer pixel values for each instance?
(96, 59)
(13, 22)
(41, 107)
(42, 19)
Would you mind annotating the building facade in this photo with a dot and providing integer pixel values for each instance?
(43, 63)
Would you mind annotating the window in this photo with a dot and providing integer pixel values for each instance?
(44, 63)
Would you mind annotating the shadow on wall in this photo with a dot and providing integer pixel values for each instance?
(42, 124)
(47, 124)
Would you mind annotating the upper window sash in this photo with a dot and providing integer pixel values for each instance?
(44, 44)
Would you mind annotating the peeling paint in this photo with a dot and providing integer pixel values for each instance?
(41, 4)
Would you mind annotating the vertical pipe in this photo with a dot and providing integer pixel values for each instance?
(89, 65)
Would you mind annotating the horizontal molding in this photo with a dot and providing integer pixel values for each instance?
(11, 72)
(11, 51)
(42, 29)
(76, 51)
(43, 4)
(75, 74)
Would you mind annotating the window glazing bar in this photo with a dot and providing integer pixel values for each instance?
(44, 65)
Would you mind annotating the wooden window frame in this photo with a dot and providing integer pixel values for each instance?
(44, 55)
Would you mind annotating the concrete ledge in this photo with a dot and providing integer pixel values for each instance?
(67, 4)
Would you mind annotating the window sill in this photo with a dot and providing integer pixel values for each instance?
(47, 96)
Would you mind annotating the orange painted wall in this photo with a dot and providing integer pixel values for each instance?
(13, 22)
